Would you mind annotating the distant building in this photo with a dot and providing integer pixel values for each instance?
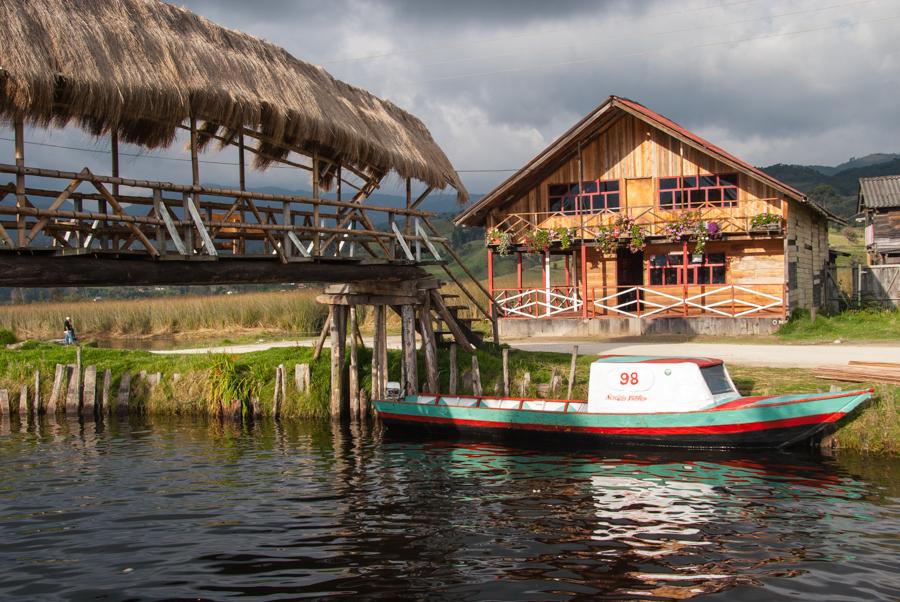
(879, 202)
(615, 208)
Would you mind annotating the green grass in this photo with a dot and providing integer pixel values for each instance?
(850, 325)
(209, 382)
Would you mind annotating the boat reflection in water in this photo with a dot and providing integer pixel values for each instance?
(674, 527)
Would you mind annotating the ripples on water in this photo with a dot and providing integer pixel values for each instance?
(167, 509)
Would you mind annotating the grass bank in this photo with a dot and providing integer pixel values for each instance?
(205, 379)
(850, 325)
(286, 312)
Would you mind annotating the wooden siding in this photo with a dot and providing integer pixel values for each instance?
(630, 148)
(807, 256)
(887, 230)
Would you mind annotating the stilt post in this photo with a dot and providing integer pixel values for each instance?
(454, 371)
(354, 366)
(410, 370)
(572, 366)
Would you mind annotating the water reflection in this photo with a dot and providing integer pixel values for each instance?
(210, 509)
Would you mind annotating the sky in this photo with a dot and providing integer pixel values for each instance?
(771, 81)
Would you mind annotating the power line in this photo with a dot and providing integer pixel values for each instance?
(135, 155)
(653, 51)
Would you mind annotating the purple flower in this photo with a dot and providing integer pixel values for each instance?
(712, 228)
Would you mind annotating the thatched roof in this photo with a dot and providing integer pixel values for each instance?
(140, 67)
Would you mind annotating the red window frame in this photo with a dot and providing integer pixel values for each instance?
(694, 192)
(671, 271)
(585, 203)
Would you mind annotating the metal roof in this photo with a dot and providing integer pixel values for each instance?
(879, 192)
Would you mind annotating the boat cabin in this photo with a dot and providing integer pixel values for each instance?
(627, 384)
(629, 221)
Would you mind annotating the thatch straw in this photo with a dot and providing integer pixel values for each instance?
(142, 67)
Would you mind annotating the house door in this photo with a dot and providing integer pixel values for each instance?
(629, 273)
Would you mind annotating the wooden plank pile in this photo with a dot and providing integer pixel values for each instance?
(859, 372)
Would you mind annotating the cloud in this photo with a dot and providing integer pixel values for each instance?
(804, 82)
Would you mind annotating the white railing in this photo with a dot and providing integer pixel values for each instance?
(730, 300)
(537, 302)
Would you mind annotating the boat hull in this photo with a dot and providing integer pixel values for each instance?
(781, 422)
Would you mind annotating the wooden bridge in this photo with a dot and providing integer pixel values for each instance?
(219, 86)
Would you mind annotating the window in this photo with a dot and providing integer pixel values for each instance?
(669, 269)
(716, 379)
(595, 196)
(692, 192)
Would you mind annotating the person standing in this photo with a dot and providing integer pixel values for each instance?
(69, 332)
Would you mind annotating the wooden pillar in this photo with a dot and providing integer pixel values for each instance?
(684, 275)
(547, 297)
(568, 275)
(242, 185)
(383, 352)
(519, 270)
(338, 333)
(429, 345)
(490, 275)
(584, 281)
(315, 192)
(355, 410)
(20, 179)
(379, 369)
(410, 370)
(454, 371)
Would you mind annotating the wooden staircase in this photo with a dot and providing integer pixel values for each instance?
(464, 322)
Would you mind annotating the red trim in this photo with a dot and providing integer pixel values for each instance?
(604, 430)
(703, 362)
(743, 401)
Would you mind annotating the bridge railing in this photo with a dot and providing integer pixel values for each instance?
(168, 220)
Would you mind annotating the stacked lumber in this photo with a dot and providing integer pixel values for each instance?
(860, 372)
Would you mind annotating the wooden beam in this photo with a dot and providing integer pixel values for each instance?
(450, 320)
(118, 209)
(20, 178)
(355, 410)
(429, 345)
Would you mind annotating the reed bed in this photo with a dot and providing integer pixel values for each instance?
(295, 312)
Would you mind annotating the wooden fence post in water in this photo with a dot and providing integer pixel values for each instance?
(4, 404)
(572, 367)
(73, 395)
(279, 391)
(454, 371)
(354, 365)
(410, 369)
(301, 378)
(123, 393)
(505, 357)
(23, 403)
(59, 385)
(476, 377)
(36, 397)
(90, 391)
(104, 396)
(383, 371)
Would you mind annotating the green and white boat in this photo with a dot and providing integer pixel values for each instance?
(634, 400)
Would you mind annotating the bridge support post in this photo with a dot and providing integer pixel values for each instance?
(337, 313)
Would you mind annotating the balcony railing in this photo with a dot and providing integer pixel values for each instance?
(586, 226)
(645, 302)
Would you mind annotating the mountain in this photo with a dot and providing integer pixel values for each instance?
(836, 187)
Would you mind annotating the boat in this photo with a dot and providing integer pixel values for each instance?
(633, 400)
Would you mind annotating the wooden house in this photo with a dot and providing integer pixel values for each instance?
(879, 202)
(637, 219)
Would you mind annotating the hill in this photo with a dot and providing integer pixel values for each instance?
(836, 187)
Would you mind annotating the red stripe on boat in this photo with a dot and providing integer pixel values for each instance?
(609, 430)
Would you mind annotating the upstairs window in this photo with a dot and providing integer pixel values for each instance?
(709, 268)
(594, 196)
(694, 192)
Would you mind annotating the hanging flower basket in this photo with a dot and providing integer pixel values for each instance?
(766, 222)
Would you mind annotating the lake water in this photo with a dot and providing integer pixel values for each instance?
(181, 508)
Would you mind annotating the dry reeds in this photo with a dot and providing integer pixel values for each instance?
(294, 312)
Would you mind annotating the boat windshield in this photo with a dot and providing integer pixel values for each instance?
(716, 379)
